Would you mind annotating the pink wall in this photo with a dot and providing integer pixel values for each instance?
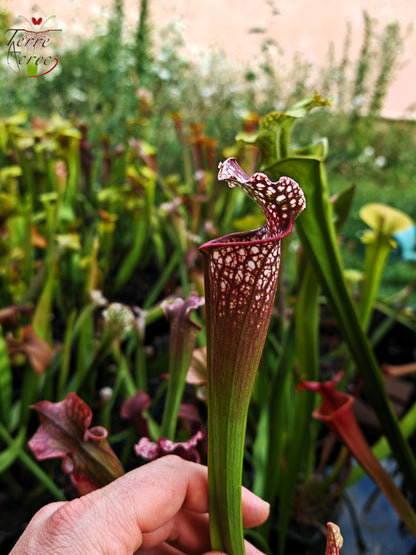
(298, 26)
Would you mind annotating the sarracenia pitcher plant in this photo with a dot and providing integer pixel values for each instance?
(241, 274)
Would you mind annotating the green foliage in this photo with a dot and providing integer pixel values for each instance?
(143, 46)
(317, 230)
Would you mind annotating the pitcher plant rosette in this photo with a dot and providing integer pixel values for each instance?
(241, 275)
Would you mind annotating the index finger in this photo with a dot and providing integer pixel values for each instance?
(154, 493)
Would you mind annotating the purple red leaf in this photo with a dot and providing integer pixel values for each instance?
(64, 432)
(133, 409)
(187, 450)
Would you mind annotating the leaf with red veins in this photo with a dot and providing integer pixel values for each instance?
(64, 432)
(334, 539)
(241, 275)
(280, 201)
(37, 350)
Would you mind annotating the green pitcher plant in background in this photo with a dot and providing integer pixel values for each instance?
(241, 275)
(384, 221)
(317, 231)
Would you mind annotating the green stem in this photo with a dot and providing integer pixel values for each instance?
(275, 416)
(176, 386)
(6, 381)
(66, 356)
(376, 255)
(226, 427)
(140, 366)
(158, 288)
(124, 370)
(306, 334)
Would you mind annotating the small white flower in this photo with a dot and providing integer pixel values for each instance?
(105, 394)
(199, 174)
(380, 161)
(98, 298)
(164, 74)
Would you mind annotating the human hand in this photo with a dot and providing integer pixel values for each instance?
(160, 508)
